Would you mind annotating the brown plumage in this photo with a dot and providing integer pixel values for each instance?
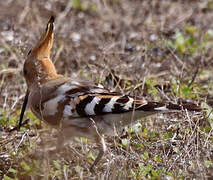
(80, 108)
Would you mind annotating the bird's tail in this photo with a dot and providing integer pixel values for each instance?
(169, 107)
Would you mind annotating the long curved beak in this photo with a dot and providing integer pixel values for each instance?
(23, 109)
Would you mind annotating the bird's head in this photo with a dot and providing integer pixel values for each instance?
(38, 67)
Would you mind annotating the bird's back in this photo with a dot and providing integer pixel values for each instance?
(81, 104)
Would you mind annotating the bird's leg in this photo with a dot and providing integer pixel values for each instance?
(60, 141)
(102, 148)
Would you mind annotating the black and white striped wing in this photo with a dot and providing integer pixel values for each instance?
(104, 103)
(94, 104)
(107, 107)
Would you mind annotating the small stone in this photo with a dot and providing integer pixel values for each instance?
(92, 58)
(153, 37)
(76, 37)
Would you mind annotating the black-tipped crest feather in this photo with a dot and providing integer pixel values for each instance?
(50, 24)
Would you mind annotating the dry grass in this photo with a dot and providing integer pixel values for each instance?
(127, 46)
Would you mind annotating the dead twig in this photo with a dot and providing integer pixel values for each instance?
(194, 76)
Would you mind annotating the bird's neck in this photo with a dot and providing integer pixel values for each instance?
(45, 71)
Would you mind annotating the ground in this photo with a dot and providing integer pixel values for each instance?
(161, 50)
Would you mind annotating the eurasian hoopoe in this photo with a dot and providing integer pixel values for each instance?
(78, 107)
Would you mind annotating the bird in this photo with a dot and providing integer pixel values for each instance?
(77, 107)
